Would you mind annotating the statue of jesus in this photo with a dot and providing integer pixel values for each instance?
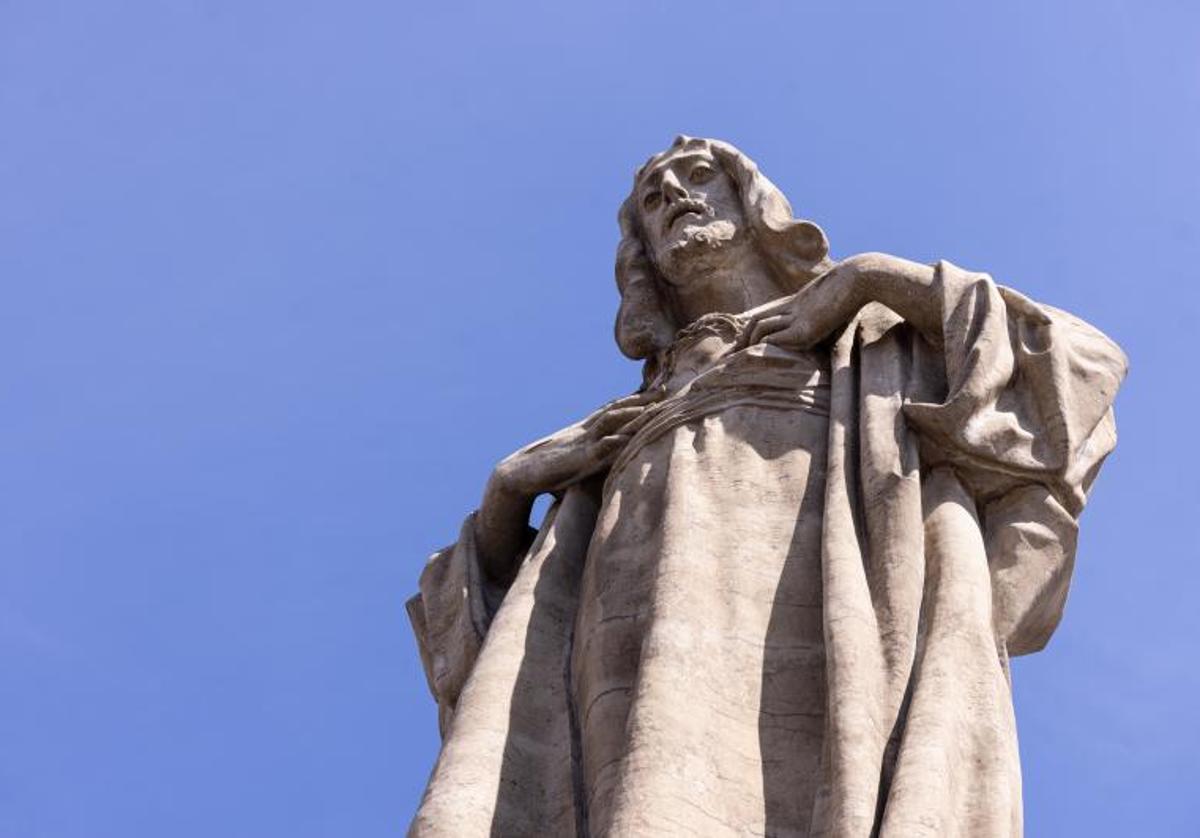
(780, 584)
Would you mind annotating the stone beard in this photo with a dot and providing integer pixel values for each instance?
(780, 583)
(699, 248)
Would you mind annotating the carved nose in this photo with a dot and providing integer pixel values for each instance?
(671, 189)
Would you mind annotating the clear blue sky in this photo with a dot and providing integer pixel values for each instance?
(282, 280)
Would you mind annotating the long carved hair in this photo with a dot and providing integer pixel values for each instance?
(796, 250)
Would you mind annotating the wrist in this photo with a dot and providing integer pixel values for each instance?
(505, 482)
(848, 289)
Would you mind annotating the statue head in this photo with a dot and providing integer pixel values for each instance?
(693, 208)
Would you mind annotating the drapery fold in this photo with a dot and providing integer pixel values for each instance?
(957, 466)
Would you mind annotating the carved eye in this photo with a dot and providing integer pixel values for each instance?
(701, 174)
(651, 200)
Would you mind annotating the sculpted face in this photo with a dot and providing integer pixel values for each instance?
(690, 212)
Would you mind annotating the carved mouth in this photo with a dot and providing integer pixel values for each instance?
(685, 208)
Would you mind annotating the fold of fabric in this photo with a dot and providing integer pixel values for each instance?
(507, 765)
(956, 469)
(955, 476)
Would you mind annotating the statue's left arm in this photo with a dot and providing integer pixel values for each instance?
(1015, 396)
(828, 303)
(462, 585)
(1028, 388)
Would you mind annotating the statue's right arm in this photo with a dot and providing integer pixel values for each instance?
(502, 525)
(551, 464)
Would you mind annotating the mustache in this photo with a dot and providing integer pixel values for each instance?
(683, 208)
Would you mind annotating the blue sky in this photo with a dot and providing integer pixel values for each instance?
(282, 281)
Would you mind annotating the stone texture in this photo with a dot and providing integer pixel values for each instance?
(780, 585)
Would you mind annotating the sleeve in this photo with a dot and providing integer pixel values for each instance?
(450, 617)
(1026, 421)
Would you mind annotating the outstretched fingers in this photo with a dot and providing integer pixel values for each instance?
(636, 400)
(648, 396)
(759, 329)
(613, 420)
(612, 443)
(783, 337)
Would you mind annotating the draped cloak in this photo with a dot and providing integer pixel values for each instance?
(789, 609)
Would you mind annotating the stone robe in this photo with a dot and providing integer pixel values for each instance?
(790, 607)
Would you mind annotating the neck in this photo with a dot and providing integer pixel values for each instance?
(730, 285)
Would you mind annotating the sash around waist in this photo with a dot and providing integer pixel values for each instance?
(719, 390)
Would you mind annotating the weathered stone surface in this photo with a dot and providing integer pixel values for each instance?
(779, 588)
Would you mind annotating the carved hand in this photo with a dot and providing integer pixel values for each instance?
(812, 313)
(576, 452)
(549, 465)
(829, 302)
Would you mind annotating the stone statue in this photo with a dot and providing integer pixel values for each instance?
(780, 584)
